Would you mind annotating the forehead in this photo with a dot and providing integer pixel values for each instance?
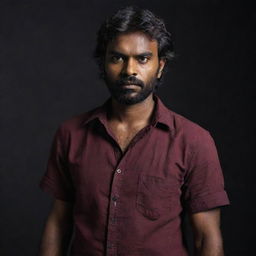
(133, 43)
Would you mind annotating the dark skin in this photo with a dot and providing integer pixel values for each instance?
(131, 54)
(58, 230)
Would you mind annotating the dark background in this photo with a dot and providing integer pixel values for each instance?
(47, 75)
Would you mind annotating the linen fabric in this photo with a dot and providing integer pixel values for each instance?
(132, 203)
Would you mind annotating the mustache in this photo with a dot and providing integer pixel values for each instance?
(130, 80)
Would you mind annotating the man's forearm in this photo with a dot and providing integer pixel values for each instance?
(209, 246)
(55, 240)
(207, 233)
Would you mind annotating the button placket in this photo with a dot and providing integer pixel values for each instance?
(112, 236)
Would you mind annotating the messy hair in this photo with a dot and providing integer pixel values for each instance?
(131, 19)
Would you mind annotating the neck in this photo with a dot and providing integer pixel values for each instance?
(133, 115)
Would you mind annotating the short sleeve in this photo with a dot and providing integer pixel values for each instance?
(204, 182)
(57, 179)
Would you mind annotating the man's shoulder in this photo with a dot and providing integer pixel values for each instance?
(78, 121)
(178, 123)
(186, 124)
(190, 131)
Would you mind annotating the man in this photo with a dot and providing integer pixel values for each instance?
(124, 174)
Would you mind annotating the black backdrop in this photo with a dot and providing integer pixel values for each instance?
(47, 74)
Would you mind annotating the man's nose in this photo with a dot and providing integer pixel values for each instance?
(130, 68)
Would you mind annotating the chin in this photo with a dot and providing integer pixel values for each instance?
(130, 98)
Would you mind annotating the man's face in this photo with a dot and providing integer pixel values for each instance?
(132, 67)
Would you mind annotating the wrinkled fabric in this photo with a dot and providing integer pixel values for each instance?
(131, 203)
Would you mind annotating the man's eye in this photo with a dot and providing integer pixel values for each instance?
(116, 59)
(143, 59)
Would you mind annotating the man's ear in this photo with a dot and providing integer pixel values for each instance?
(161, 67)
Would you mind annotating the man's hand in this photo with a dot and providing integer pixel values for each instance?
(58, 230)
(207, 234)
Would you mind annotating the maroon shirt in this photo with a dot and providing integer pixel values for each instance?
(131, 203)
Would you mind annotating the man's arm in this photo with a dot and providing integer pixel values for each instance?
(207, 234)
(58, 230)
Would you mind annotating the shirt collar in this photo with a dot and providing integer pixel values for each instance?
(162, 115)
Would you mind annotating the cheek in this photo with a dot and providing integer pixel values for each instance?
(112, 71)
(150, 71)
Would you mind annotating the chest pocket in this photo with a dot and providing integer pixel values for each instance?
(155, 196)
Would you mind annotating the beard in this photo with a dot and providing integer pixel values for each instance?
(129, 96)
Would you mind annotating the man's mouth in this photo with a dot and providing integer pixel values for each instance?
(130, 85)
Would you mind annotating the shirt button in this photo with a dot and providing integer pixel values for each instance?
(113, 220)
(118, 171)
(114, 198)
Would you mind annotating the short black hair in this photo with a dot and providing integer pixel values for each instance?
(131, 19)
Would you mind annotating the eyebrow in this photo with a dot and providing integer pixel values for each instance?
(144, 54)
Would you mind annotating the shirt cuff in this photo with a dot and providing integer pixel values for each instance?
(207, 202)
